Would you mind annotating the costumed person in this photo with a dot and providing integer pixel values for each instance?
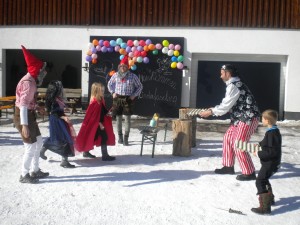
(96, 129)
(244, 119)
(270, 159)
(25, 118)
(62, 134)
(124, 87)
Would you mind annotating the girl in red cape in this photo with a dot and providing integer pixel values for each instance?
(96, 128)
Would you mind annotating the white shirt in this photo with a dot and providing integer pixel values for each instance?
(231, 96)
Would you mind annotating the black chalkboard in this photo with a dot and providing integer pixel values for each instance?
(161, 83)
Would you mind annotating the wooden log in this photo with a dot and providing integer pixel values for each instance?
(183, 116)
(182, 137)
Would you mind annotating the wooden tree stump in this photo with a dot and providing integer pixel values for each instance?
(182, 137)
(183, 116)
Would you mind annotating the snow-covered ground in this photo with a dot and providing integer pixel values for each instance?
(142, 190)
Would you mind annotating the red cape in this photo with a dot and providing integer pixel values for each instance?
(85, 139)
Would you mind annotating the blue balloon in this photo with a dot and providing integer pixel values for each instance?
(174, 59)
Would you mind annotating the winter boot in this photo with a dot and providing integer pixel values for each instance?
(126, 140)
(105, 156)
(28, 179)
(39, 174)
(270, 192)
(42, 153)
(225, 170)
(65, 163)
(120, 141)
(264, 204)
(88, 155)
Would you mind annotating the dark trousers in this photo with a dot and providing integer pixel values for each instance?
(262, 179)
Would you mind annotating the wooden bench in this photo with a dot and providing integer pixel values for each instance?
(6, 103)
(73, 97)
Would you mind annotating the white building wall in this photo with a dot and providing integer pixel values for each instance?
(200, 43)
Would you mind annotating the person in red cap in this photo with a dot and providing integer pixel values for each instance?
(25, 118)
(124, 87)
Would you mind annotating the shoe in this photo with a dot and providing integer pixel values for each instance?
(42, 153)
(243, 177)
(108, 158)
(66, 164)
(88, 155)
(39, 174)
(27, 179)
(225, 170)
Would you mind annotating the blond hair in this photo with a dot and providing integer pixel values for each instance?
(270, 115)
(97, 91)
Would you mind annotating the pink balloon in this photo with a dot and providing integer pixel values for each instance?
(171, 46)
(179, 65)
(158, 46)
(117, 48)
(177, 47)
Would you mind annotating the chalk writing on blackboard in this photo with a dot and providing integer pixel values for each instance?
(159, 78)
(156, 97)
(164, 66)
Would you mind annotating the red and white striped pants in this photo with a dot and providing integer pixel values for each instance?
(243, 132)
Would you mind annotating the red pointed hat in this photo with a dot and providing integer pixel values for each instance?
(34, 65)
(124, 61)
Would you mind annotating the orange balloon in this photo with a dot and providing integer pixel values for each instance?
(122, 51)
(95, 42)
(146, 49)
(94, 61)
(151, 47)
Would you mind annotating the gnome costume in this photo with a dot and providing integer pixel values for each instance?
(125, 86)
(25, 118)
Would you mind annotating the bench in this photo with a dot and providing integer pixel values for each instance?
(6, 103)
(73, 97)
(150, 133)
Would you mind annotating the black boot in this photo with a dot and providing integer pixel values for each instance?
(88, 155)
(65, 163)
(105, 156)
(126, 140)
(42, 153)
(120, 141)
(225, 170)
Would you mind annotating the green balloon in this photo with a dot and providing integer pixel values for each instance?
(180, 58)
(155, 52)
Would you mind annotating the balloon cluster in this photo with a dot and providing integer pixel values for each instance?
(137, 51)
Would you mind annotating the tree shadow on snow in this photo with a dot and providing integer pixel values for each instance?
(8, 141)
(139, 178)
(287, 205)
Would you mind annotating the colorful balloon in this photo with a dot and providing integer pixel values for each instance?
(158, 46)
(88, 58)
(180, 58)
(179, 65)
(106, 44)
(170, 52)
(165, 43)
(171, 46)
(95, 42)
(165, 50)
(177, 47)
(146, 60)
(119, 41)
(113, 43)
(130, 43)
(148, 42)
(133, 67)
(155, 52)
(176, 53)
(173, 65)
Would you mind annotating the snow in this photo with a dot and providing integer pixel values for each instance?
(138, 189)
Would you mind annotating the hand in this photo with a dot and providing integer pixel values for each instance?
(66, 119)
(206, 113)
(255, 153)
(25, 131)
(101, 126)
(114, 95)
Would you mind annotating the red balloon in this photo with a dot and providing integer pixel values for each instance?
(106, 44)
(142, 43)
(143, 53)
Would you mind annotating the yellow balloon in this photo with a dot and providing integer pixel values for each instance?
(173, 65)
(176, 53)
(165, 43)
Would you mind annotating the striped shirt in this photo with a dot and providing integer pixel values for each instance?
(130, 85)
(25, 92)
